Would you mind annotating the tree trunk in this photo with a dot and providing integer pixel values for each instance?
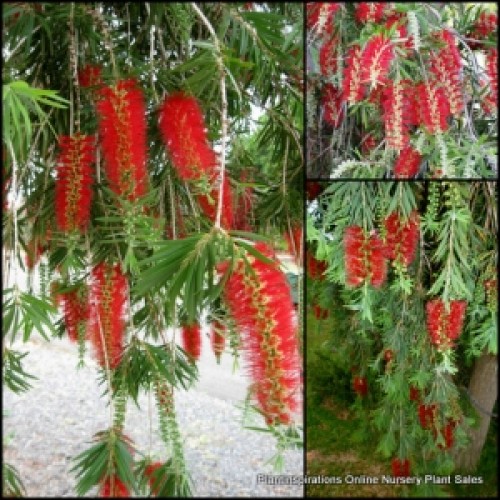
(483, 389)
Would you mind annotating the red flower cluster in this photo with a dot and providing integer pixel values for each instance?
(415, 394)
(370, 12)
(402, 238)
(183, 129)
(315, 268)
(407, 163)
(218, 339)
(261, 305)
(401, 30)
(400, 468)
(376, 60)
(427, 415)
(108, 300)
(332, 101)
(191, 340)
(445, 327)
(364, 257)
(320, 16)
(319, 312)
(360, 386)
(90, 76)
(368, 143)
(435, 107)
(352, 86)
(73, 190)
(446, 66)
(448, 434)
(122, 127)
(486, 24)
(328, 57)
(314, 189)
(398, 106)
(76, 311)
(492, 72)
(113, 487)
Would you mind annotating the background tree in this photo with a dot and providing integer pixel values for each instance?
(132, 199)
(401, 90)
(413, 265)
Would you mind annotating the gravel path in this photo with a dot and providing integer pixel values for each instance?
(53, 422)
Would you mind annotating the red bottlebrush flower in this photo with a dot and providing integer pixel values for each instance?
(407, 163)
(401, 30)
(183, 129)
(448, 434)
(328, 57)
(434, 107)
(319, 312)
(368, 143)
(370, 12)
(332, 103)
(377, 261)
(360, 386)
(314, 189)
(113, 487)
(261, 305)
(376, 60)
(492, 71)
(108, 301)
(427, 415)
(315, 268)
(122, 128)
(402, 239)
(73, 191)
(218, 339)
(76, 311)
(209, 203)
(400, 468)
(486, 24)
(445, 327)
(415, 394)
(397, 115)
(446, 66)
(320, 16)
(191, 340)
(90, 76)
(456, 319)
(293, 240)
(352, 85)
(155, 479)
(354, 242)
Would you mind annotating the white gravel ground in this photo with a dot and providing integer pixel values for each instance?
(53, 422)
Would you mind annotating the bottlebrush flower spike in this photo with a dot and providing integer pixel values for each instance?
(113, 487)
(218, 339)
(397, 115)
(402, 238)
(376, 60)
(90, 76)
(370, 12)
(427, 415)
(492, 71)
(108, 301)
(354, 242)
(75, 305)
(191, 340)
(155, 481)
(320, 16)
(407, 164)
(261, 305)
(446, 66)
(73, 189)
(352, 85)
(122, 128)
(377, 261)
(400, 468)
(332, 103)
(445, 327)
(486, 24)
(183, 129)
(314, 189)
(360, 386)
(434, 107)
(328, 57)
(368, 143)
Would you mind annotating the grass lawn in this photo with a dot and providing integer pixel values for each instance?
(339, 445)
